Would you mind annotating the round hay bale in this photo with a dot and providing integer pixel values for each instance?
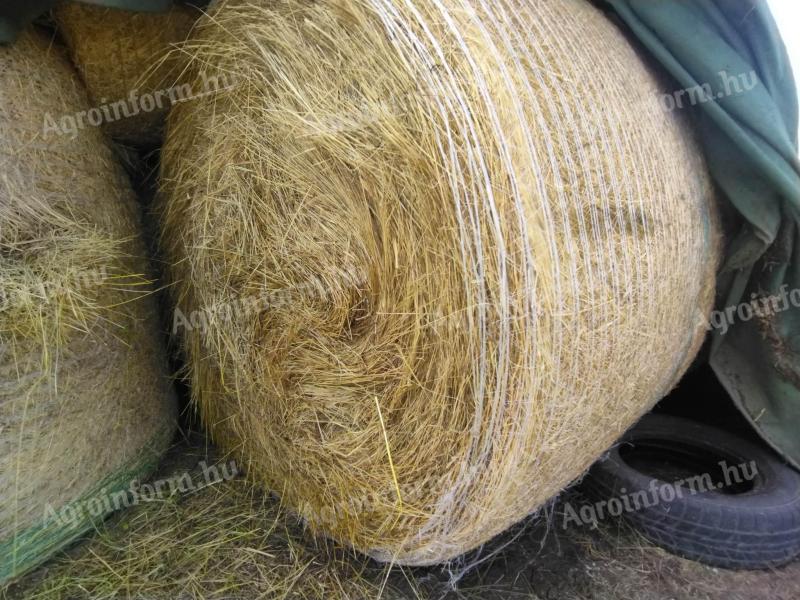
(430, 259)
(86, 403)
(127, 63)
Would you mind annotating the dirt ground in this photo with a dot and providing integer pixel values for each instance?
(611, 563)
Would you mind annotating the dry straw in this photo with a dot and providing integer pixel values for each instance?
(221, 542)
(85, 401)
(124, 58)
(443, 254)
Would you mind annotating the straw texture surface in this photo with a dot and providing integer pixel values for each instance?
(118, 52)
(430, 259)
(85, 399)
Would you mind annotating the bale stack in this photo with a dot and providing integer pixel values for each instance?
(430, 259)
(128, 63)
(86, 405)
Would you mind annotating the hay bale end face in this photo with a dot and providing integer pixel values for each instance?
(430, 259)
(86, 404)
(129, 64)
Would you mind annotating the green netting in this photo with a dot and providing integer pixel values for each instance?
(62, 525)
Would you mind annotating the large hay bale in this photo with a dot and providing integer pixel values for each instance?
(127, 62)
(86, 404)
(430, 259)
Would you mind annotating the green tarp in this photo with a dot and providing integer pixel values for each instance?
(733, 72)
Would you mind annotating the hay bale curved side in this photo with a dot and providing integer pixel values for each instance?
(86, 404)
(431, 259)
(127, 62)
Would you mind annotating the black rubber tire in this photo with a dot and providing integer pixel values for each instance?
(753, 528)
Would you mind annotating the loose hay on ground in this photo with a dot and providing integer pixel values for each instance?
(221, 542)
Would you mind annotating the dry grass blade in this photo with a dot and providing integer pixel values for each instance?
(220, 542)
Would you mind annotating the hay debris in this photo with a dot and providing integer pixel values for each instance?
(224, 541)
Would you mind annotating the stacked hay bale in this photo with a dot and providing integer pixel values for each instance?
(128, 63)
(430, 259)
(86, 405)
